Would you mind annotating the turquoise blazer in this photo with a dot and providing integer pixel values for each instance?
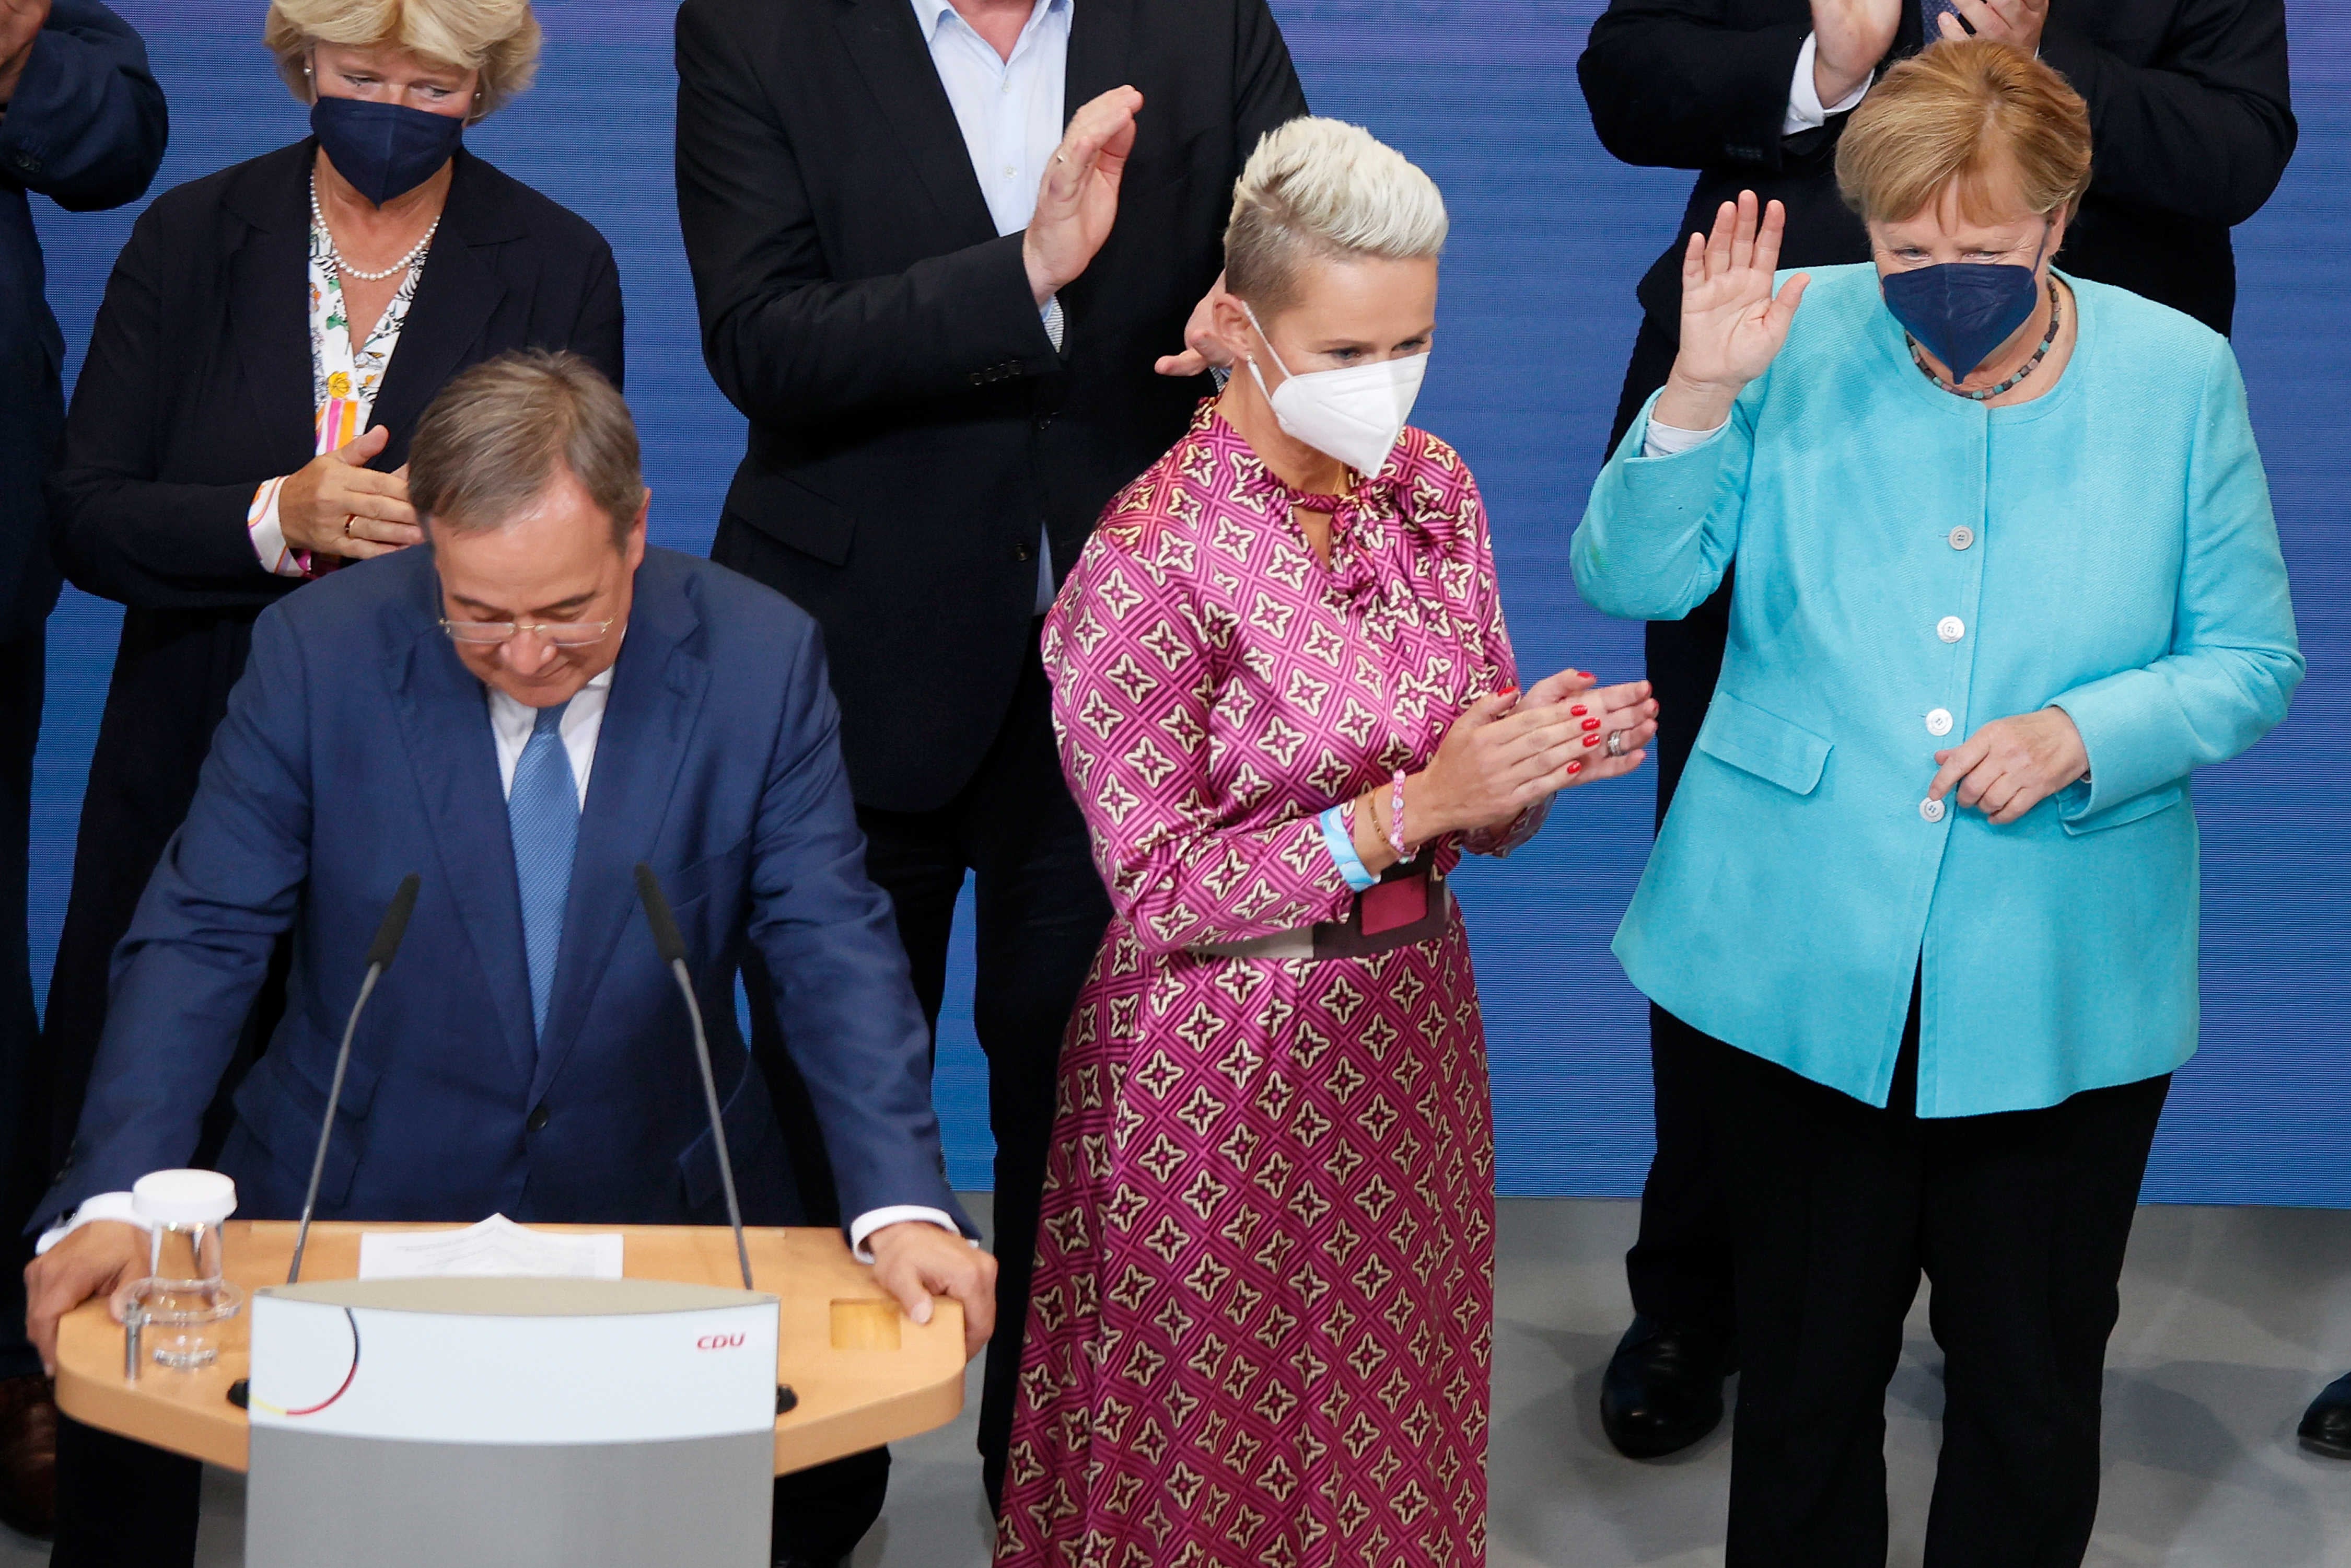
(1911, 566)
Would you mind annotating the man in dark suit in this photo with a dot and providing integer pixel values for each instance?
(521, 714)
(2192, 126)
(938, 247)
(82, 122)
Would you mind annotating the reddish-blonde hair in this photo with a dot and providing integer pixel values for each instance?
(1982, 116)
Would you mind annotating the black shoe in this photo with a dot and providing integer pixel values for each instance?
(1664, 1389)
(2326, 1424)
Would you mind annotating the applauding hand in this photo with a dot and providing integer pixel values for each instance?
(1849, 37)
(20, 27)
(1732, 326)
(1077, 201)
(2016, 22)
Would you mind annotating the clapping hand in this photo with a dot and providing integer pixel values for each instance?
(1625, 712)
(20, 24)
(1732, 326)
(1201, 349)
(1849, 37)
(2015, 22)
(1077, 201)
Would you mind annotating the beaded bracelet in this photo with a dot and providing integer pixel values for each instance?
(1396, 818)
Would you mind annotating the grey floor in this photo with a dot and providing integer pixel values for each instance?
(2231, 1319)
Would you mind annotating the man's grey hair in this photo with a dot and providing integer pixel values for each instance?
(1323, 189)
(499, 433)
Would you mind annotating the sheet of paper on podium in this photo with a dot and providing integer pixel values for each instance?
(497, 1247)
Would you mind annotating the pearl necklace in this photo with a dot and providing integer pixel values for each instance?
(335, 255)
(2056, 320)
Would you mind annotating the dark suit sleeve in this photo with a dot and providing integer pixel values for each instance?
(2205, 129)
(1671, 86)
(843, 1000)
(600, 333)
(87, 125)
(784, 340)
(199, 947)
(121, 534)
(1266, 92)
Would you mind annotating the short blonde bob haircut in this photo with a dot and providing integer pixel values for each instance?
(1323, 189)
(499, 38)
(1984, 115)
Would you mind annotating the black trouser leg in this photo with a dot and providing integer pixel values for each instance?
(122, 1504)
(1042, 910)
(2027, 1217)
(1680, 1268)
(24, 1131)
(1824, 1197)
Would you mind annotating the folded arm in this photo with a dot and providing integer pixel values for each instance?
(121, 532)
(2234, 658)
(85, 123)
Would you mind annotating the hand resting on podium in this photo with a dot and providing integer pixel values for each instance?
(915, 1260)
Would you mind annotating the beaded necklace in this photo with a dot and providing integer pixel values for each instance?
(2056, 320)
(345, 267)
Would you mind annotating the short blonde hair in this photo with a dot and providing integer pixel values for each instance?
(1983, 115)
(1323, 189)
(499, 38)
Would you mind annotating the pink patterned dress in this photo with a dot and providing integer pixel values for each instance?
(1259, 1332)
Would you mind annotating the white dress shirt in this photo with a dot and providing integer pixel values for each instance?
(1805, 110)
(1010, 111)
(510, 724)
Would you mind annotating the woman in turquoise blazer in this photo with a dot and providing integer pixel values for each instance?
(2006, 576)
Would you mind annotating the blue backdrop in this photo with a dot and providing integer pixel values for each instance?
(1549, 236)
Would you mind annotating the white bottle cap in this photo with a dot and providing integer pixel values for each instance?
(184, 1197)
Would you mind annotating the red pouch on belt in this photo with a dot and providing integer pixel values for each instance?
(1395, 904)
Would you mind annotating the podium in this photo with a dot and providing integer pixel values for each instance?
(858, 1371)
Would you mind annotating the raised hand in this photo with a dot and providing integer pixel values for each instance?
(1077, 201)
(2016, 22)
(1849, 37)
(1732, 326)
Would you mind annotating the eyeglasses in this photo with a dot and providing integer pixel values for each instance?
(561, 633)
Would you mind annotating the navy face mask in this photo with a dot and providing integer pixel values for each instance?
(1959, 311)
(384, 150)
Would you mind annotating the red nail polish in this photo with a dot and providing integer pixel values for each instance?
(1590, 740)
(1579, 710)
(1592, 724)
(1575, 768)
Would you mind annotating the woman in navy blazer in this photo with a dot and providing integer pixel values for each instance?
(2006, 576)
(213, 464)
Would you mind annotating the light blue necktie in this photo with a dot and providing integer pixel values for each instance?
(543, 816)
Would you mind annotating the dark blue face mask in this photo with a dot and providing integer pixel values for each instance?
(384, 150)
(1959, 311)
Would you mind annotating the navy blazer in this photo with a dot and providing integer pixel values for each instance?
(358, 748)
(86, 129)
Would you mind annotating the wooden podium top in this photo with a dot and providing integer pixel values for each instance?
(864, 1372)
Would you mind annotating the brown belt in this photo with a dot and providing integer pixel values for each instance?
(1328, 939)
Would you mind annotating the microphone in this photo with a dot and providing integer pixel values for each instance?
(671, 945)
(379, 958)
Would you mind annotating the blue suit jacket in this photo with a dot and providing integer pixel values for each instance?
(358, 748)
(86, 129)
(2120, 563)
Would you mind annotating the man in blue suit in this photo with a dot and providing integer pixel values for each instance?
(82, 122)
(519, 714)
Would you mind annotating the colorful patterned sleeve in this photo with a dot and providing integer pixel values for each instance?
(1451, 491)
(1134, 676)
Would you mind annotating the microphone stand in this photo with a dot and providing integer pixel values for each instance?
(380, 954)
(671, 945)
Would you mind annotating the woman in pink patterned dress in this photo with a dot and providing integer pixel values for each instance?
(1259, 1334)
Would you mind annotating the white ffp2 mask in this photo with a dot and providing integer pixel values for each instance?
(1354, 413)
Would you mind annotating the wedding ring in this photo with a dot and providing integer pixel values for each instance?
(1616, 743)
